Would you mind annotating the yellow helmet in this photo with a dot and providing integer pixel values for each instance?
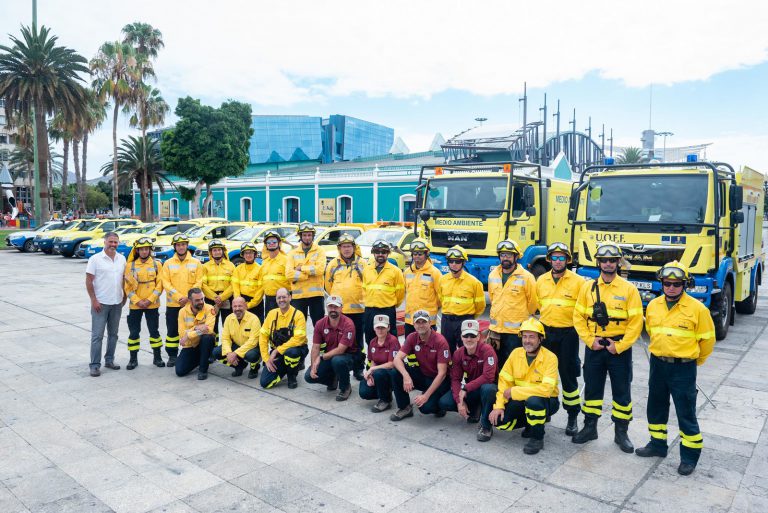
(559, 247)
(345, 238)
(608, 250)
(508, 246)
(381, 244)
(272, 234)
(676, 271)
(143, 242)
(248, 246)
(305, 226)
(216, 243)
(179, 238)
(419, 244)
(456, 252)
(533, 324)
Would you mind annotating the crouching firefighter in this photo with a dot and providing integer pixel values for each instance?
(283, 342)
(143, 286)
(608, 317)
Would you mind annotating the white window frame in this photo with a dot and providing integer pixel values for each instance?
(351, 208)
(285, 208)
(242, 208)
(173, 211)
(403, 199)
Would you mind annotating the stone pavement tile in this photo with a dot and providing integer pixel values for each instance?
(302, 436)
(99, 472)
(627, 466)
(17, 462)
(273, 486)
(123, 410)
(375, 495)
(433, 459)
(755, 484)
(64, 445)
(715, 467)
(747, 503)
(319, 501)
(190, 415)
(721, 428)
(182, 478)
(9, 503)
(495, 480)
(174, 507)
(728, 445)
(330, 424)
(681, 495)
(186, 442)
(28, 490)
(407, 476)
(162, 401)
(81, 422)
(226, 463)
(545, 498)
(612, 489)
(113, 436)
(451, 495)
(742, 396)
(740, 415)
(135, 496)
(80, 502)
(224, 406)
(222, 430)
(358, 411)
(145, 456)
(345, 452)
(153, 425)
(227, 497)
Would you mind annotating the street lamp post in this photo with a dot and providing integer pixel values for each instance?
(664, 135)
(480, 120)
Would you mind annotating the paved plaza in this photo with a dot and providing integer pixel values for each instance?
(145, 440)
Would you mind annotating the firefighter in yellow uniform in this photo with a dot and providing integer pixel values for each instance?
(217, 282)
(246, 281)
(557, 291)
(608, 317)
(383, 290)
(344, 278)
(180, 273)
(196, 321)
(282, 342)
(461, 296)
(512, 290)
(273, 263)
(422, 285)
(682, 338)
(240, 340)
(143, 286)
(526, 395)
(305, 269)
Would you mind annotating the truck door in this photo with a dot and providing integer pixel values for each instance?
(524, 214)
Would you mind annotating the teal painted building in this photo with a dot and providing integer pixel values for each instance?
(359, 191)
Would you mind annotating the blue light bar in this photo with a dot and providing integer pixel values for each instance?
(609, 161)
(692, 158)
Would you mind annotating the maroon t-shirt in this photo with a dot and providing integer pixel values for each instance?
(475, 370)
(329, 338)
(435, 350)
(381, 354)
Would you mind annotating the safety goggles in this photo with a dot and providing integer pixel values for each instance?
(306, 227)
(144, 241)
(673, 272)
(557, 246)
(506, 246)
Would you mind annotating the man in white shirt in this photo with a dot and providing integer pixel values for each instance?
(104, 283)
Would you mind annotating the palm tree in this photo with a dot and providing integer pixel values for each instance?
(35, 72)
(130, 158)
(117, 68)
(61, 129)
(146, 39)
(630, 155)
(151, 110)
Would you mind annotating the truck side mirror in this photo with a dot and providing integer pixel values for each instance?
(737, 217)
(529, 199)
(573, 207)
(736, 198)
(424, 215)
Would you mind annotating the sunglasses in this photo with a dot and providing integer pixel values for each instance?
(609, 260)
(559, 258)
(418, 253)
(673, 284)
(455, 261)
(381, 252)
(468, 335)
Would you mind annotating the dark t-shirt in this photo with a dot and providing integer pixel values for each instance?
(329, 338)
(435, 350)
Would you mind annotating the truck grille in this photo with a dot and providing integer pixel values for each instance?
(651, 255)
(467, 240)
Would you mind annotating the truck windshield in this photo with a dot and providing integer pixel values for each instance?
(663, 199)
(457, 194)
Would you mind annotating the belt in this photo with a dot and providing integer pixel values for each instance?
(670, 359)
(553, 329)
(451, 317)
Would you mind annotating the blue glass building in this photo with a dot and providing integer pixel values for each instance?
(348, 138)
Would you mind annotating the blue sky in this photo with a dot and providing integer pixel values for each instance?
(432, 66)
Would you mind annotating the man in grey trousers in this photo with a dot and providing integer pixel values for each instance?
(104, 283)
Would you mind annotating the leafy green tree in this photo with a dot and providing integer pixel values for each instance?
(36, 72)
(207, 144)
(630, 155)
(91, 116)
(96, 198)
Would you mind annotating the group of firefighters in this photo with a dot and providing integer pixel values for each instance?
(508, 380)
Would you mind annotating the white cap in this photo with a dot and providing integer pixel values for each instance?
(470, 326)
(334, 300)
(381, 321)
(421, 314)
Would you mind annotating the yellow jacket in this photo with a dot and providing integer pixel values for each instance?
(309, 281)
(243, 333)
(246, 281)
(276, 320)
(188, 321)
(557, 300)
(383, 289)
(179, 277)
(143, 281)
(685, 331)
(625, 309)
(422, 290)
(346, 281)
(511, 302)
(273, 273)
(217, 278)
(536, 380)
(462, 296)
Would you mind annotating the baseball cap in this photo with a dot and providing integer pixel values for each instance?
(470, 326)
(421, 314)
(381, 321)
(334, 300)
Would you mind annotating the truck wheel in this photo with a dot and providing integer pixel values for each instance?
(29, 246)
(538, 269)
(749, 305)
(721, 312)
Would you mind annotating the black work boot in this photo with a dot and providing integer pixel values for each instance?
(573, 423)
(157, 358)
(533, 446)
(651, 450)
(292, 383)
(621, 438)
(253, 371)
(172, 358)
(587, 433)
(133, 362)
